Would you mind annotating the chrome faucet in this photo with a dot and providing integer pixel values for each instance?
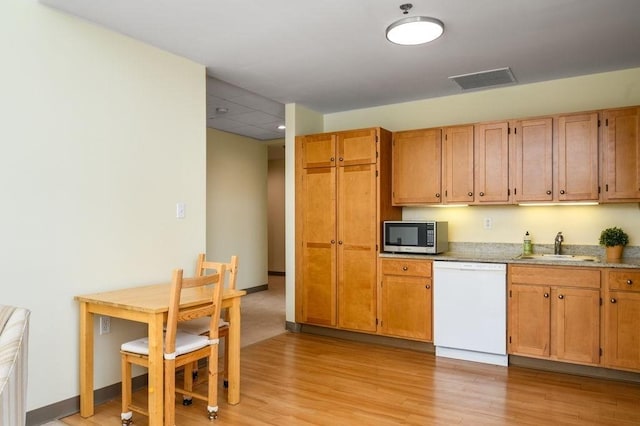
(557, 249)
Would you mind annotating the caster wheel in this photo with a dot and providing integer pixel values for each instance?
(187, 401)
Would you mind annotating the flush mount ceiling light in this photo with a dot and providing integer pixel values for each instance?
(414, 29)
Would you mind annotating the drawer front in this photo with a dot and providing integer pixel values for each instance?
(624, 280)
(421, 268)
(545, 275)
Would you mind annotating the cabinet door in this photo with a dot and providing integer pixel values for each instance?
(458, 164)
(416, 168)
(533, 160)
(406, 309)
(491, 152)
(529, 313)
(318, 150)
(318, 246)
(621, 154)
(577, 324)
(356, 147)
(578, 157)
(357, 255)
(622, 330)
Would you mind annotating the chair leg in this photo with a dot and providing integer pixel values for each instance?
(169, 392)
(189, 377)
(126, 415)
(212, 394)
(225, 371)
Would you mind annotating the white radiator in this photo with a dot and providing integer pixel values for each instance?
(14, 338)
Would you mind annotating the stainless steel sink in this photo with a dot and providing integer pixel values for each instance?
(559, 257)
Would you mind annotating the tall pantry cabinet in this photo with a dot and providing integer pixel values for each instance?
(343, 193)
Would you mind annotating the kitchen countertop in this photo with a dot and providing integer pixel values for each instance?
(508, 253)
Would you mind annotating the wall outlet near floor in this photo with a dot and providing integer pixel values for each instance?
(105, 325)
(487, 223)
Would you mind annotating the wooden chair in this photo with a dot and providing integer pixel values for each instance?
(180, 348)
(201, 327)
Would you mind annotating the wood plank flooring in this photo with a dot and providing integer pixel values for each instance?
(302, 379)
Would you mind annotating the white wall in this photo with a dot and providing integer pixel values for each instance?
(101, 135)
(237, 204)
(580, 225)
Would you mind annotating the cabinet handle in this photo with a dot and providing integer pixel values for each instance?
(470, 194)
(562, 191)
(613, 300)
(340, 159)
(339, 241)
(333, 241)
(560, 296)
(333, 159)
(427, 286)
(405, 268)
(437, 195)
(629, 282)
(482, 194)
(548, 192)
(546, 295)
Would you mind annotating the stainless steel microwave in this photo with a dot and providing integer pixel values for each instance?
(422, 236)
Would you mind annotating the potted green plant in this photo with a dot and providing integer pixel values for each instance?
(614, 239)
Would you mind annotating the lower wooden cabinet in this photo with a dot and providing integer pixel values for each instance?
(406, 289)
(622, 319)
(554, 313)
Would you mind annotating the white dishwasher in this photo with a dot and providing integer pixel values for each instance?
(470, 311)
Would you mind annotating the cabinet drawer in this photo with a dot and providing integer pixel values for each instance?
(575, 277)
(411, 267)
(624, 280)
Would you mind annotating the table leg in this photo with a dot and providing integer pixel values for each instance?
(156, 371)
(233, 366)
(86, 361)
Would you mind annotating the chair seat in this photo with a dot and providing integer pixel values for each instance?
(185, 343)
(199, 325)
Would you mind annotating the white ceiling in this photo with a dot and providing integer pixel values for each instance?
(332, 55)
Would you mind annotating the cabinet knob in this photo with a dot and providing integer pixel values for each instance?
(427, 286)
(560, 296)
(629, 282)
(333, 159)
(470, 194)
(340, 159)
(548, 192)
(437, 195)
(546, 295)
(562, 191)
(405, 268)
(613, 300)
(333, 241)
(339, 241)
(482, 194)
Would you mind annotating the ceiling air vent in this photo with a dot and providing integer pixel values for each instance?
(481, 79)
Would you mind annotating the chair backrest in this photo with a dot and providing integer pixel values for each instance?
(231, 267)
(178, 312)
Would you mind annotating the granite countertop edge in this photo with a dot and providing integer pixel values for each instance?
(509, 254)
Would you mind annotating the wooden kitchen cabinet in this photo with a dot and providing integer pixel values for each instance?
(406, 291)
(554, 313)
(621, 155)
(622, 319)
(342, 199)
(533, 160)
(491, 152)
(577, 148)
(458, 165)
(417, 167)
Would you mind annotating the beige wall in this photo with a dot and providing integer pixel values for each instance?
(275, 215)
(580, 225)
(101, 136)
(237, 204)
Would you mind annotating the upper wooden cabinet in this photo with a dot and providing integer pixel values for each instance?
(577, 153)
(533, 160)
(491, 162)
(341, 149)
(417, 162)
(621, 154)
(458, 164)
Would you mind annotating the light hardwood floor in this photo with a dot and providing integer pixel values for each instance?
(302, 379)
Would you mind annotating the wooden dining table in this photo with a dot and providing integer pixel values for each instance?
(150, 305)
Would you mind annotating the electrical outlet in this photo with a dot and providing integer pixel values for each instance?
(180, 210)
(487, 223)
(105, 325)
